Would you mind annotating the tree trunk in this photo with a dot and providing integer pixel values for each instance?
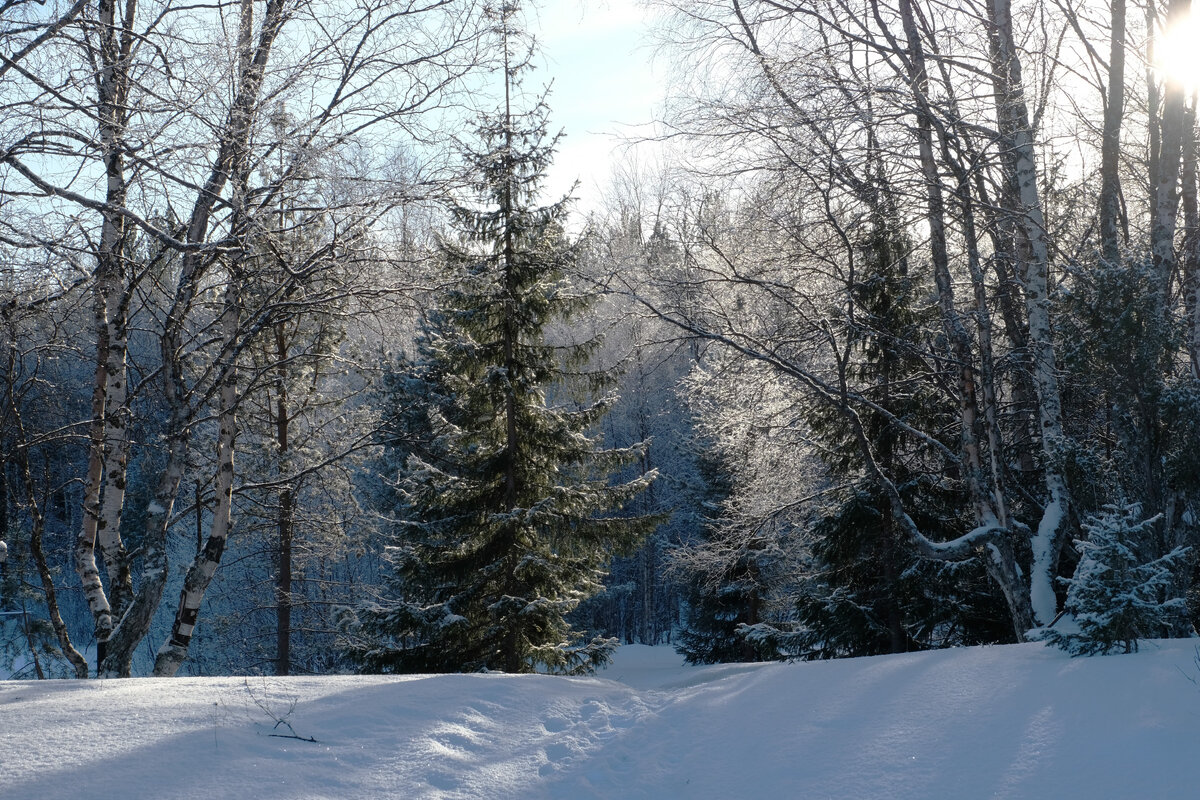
(1016, 139)
(1110, 144)
(1190, 250)
(1166, 181)
(104, 485)
(85, 543)
(37, 526)
(283, 587)
(283, 634)
(174, 651)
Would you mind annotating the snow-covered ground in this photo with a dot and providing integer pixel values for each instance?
(1020, 721)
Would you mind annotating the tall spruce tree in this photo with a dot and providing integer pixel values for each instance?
(507, 514)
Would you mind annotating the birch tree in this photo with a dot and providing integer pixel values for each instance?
(975, 167)
(33, 444)
(154, 141)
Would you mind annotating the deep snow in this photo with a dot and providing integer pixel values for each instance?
(1021, 721)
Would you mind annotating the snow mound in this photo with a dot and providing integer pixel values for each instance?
(1020, 721)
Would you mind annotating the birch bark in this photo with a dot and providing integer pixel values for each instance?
(104, 484)
(234, 139)
(174, 651)
(1016, 137)
(1166, 180)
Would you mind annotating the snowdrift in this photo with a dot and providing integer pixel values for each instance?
(1021, 721)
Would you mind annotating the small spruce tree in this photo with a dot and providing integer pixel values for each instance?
(1115, 598)
(725, 612)
(507, 512)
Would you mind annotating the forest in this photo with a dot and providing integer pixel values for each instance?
(894, 347)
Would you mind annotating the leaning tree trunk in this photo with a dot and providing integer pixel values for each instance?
(1016, 141)
(37, 529)
(37, 521)
(173, 653)
(234, 139)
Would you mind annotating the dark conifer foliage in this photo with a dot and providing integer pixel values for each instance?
(868, 593)
(507, 512)
(1118, 595)
(722, 614)
(730, 593)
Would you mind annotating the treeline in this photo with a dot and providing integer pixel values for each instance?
(899, 349)
(946, 260)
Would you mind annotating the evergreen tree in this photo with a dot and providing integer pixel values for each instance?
(725, 612)
(507, 513)
(728, 575)
(1117, 597)
(868, 593)
(1133, 408)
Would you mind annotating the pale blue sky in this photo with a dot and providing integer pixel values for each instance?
(605, 85)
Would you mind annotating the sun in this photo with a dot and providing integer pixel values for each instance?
(1177, 52)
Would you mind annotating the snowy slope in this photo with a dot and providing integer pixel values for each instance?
(1020, 721)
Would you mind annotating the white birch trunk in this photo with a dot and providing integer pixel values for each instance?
(174, 651)
(235, 135)
(109, 296)
(987, 368)
(1166, 182)
(116, 455)
(1017, 141)
(85, 543)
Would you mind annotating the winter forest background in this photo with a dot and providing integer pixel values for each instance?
(895, 346)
